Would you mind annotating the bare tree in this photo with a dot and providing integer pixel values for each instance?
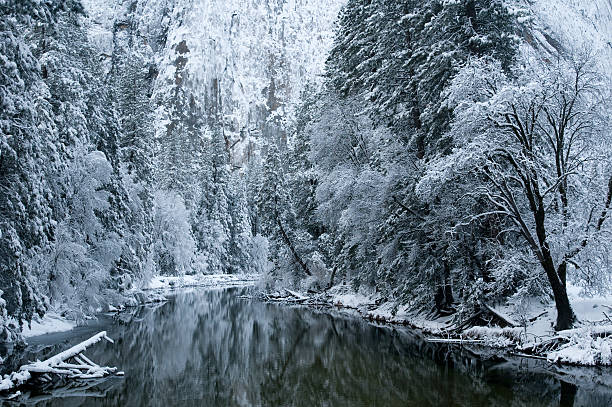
(533, 141)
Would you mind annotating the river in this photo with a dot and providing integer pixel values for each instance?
(216, 348)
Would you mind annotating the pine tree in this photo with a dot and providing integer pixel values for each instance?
(28, 159)
(213, 220)
(133, 79)
(76, 270)
(400, 56)
(302, 177)
(241, 230)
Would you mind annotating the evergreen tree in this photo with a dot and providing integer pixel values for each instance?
(84, 251)
(213, 222)
(400, 55)
(241, 230)
(28, 159)
(133, 77)
(302, 177)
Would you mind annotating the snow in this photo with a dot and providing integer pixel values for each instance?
(351, 300)
(584, 350)
(578, 23)
(13, 380)
(541, 316)
(50, 323)
(589, 344)
(86, 369)
(494, 336)
(203, 280)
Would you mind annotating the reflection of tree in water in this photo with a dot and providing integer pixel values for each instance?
(213, 349)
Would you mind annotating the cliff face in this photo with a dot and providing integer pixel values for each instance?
(571, 25)
(241, 64)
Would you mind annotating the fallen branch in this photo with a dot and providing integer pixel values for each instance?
(454, 341)
(296, 295)
(503, 317)
(71, 364)
(524, 355)
(538, 316)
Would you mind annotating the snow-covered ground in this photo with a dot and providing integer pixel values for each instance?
(50, 323)
(203, 280)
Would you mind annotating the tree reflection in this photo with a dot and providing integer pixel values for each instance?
(214, 349)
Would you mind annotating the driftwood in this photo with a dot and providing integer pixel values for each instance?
(455, 341)
(69, 364)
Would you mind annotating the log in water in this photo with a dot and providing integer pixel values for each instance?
(216, 348)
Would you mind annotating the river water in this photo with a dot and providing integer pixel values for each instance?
(215, 348)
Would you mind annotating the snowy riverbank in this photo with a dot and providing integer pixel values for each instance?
(53, 322)
(529, 330)
(203, 280)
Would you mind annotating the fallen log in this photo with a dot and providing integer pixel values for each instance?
(509, 321)
(295, 294)
(70, 364)
(455, 341)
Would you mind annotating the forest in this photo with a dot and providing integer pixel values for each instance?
(444, 156)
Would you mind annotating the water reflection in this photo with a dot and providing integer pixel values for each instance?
(214, 349)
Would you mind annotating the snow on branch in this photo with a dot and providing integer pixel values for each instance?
(70, 364)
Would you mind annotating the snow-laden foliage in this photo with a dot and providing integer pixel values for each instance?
(446, 155)
(449, 165)
(28, 158)
(174, 245)
(536, 148)
(77, 272)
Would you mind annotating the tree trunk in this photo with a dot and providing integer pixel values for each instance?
(562, 271)
(293, 251)
(565, 314)
(331, 280)
(444, 296)
(556, 277)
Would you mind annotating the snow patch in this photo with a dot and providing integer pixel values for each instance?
(350, 300)
(203, 280)
(584, 349)
(494, 336)
(50, 323)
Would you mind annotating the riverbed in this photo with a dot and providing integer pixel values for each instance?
(219, 348)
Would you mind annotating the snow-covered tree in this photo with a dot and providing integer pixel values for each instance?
(133, 77)
(213, 221)
(400, 56)
(28, 158)
(174, 249)
(275, 212)
(78, 270)
(241, 237)
(538, 144)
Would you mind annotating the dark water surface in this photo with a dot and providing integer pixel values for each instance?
(215, 349)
